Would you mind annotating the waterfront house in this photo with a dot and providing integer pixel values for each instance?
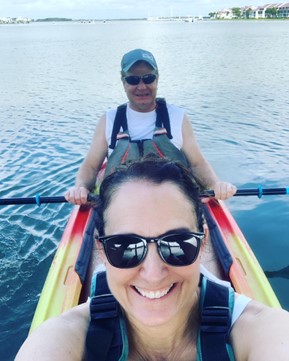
(257, 12)
(283, 10)
(19, 20)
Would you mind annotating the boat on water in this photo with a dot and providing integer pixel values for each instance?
(228, 257)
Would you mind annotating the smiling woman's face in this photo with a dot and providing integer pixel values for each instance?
(153, 293)
(142, 96)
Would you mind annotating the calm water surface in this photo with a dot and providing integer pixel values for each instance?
(57, 80)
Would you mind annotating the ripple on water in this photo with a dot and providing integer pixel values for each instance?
(29, 237)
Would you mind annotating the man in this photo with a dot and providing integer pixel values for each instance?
(143, 121)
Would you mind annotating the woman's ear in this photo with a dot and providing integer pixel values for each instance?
(206, 231)
(205, 240)
(100, 251)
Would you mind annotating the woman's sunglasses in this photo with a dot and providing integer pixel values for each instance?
(129, 250)
(135, 79)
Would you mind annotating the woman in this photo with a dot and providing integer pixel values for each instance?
(151, 240)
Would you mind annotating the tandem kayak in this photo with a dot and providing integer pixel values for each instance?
(228, 256)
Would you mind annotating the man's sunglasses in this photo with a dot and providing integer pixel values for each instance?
(129, 250)
(135, 79)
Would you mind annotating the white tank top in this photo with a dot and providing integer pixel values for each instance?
(142, 125)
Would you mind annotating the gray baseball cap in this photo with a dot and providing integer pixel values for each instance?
(130, 58)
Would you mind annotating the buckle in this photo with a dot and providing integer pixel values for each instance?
(104, 306)
(216, 319)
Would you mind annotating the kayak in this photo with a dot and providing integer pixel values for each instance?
(229, 256)
(245, 272)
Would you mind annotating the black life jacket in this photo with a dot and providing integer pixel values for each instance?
(125, 150)
(107, 338)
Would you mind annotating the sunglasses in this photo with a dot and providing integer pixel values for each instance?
(135, 79)
(129, 250)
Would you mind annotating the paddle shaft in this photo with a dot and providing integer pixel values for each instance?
(259, 192)
(32, 200)
(91, 198)
(38, 200)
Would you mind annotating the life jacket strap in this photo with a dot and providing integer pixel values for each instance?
(216, 304)
(163, 119)
(103, 339)
(120, 121)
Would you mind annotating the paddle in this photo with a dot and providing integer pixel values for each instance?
(39, 200)
(259, 192)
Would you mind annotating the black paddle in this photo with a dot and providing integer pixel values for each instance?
(39, 200)
(259, 192)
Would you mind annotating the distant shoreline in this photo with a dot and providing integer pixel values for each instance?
(158, 19)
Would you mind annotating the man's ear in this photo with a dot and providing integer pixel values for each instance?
(122, 78)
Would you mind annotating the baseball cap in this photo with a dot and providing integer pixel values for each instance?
(130, 58)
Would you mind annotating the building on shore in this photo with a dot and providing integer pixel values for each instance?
(274, 10)
(19, 20)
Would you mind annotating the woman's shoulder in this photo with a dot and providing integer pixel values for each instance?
(261, 333)
(67, 330)
(79, 313)
(73, 322)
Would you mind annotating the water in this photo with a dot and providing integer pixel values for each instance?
(57, 80)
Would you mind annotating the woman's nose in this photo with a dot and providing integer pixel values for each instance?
(153, 267)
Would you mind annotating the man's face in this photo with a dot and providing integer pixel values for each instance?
(141, 96)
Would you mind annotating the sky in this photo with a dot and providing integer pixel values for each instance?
(115, 9)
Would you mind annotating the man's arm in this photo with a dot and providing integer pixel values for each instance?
(202, 170)
(87, 173)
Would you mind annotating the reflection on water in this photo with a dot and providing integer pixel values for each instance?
(57, 80)
(283, 273)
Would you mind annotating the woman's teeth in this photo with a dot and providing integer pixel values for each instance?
(153, 294)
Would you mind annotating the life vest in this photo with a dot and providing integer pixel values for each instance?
(125, 150)
(107, 338)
